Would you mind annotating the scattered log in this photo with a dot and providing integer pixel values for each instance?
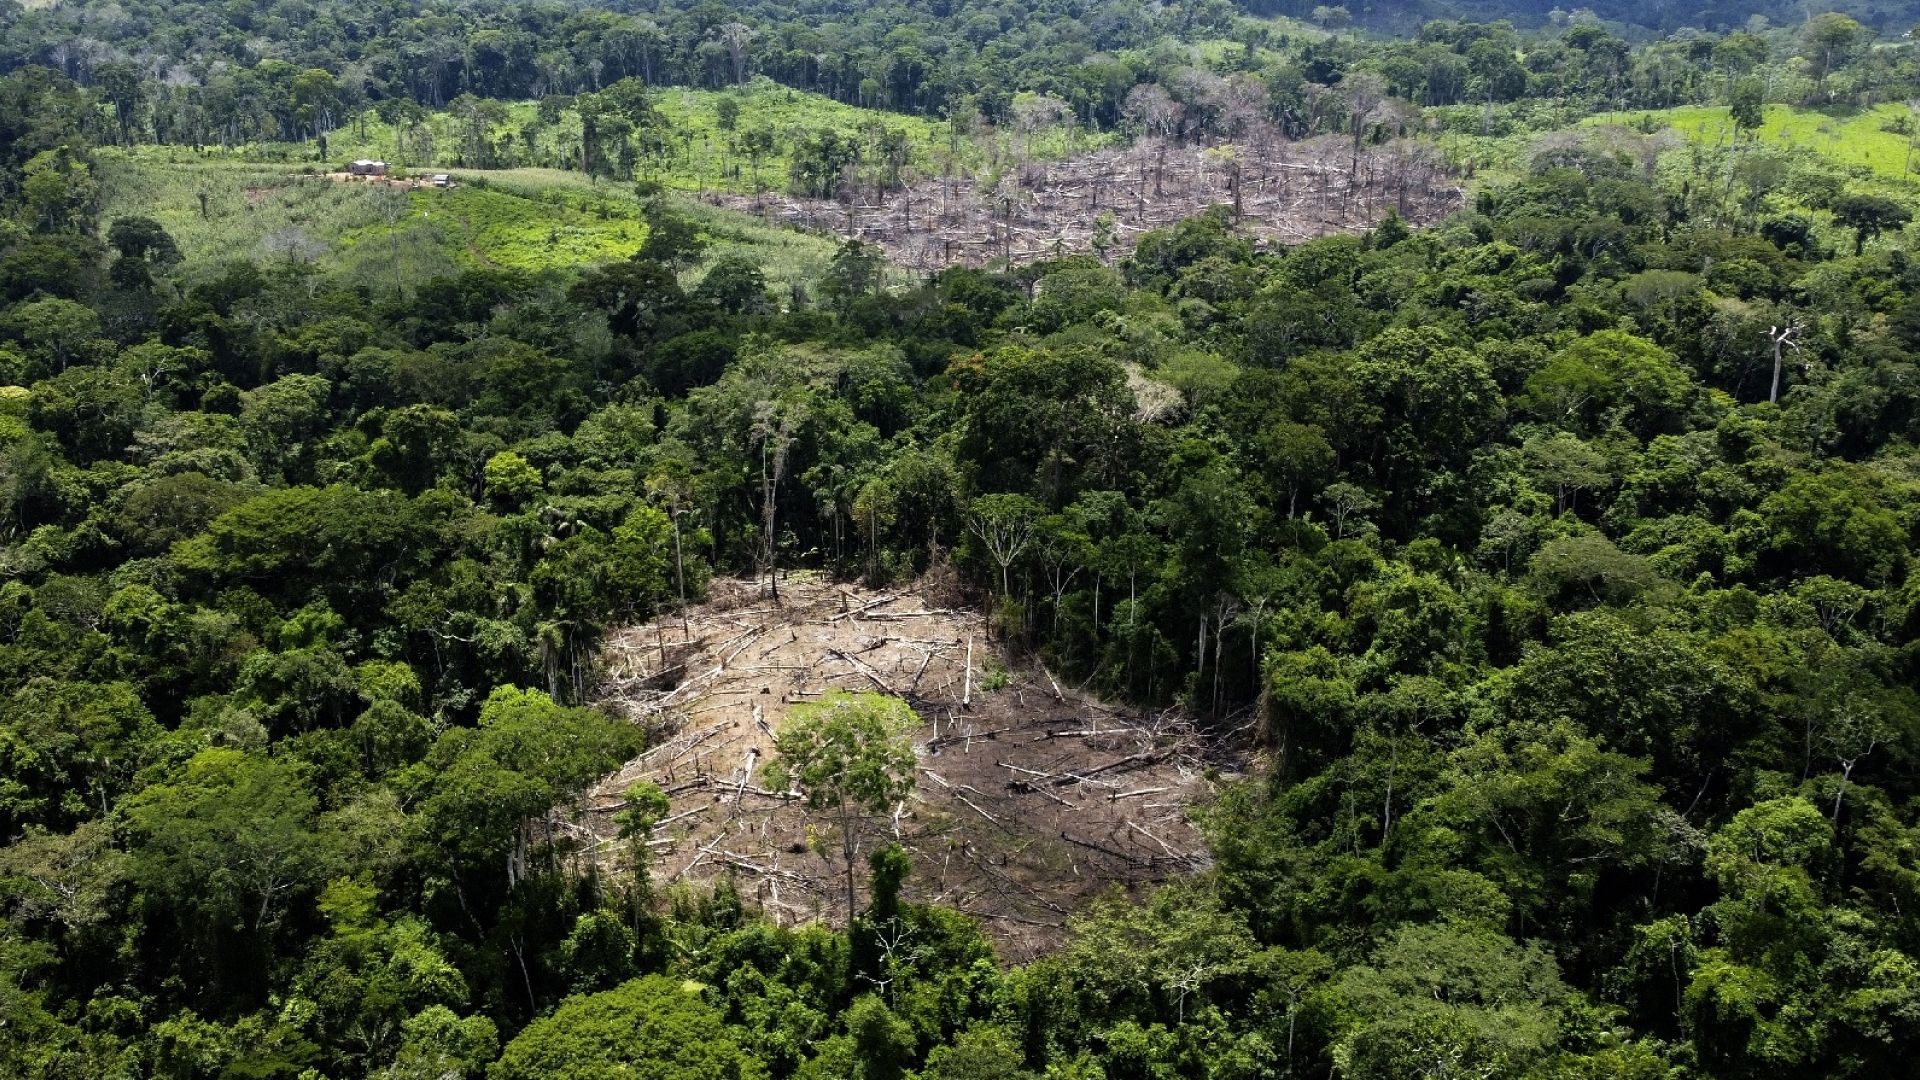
(746, 773)
(938, 779)
(769, 793)
(1057, 695)
(1130, 860)
(966, 694)
(866, 669)
(1024, 787)
(950, 739)
(1066, 778)
(976, 809)
(746, 863)
(1163, 844)
(703, 853)
(751, 637)
(999, 917)
(701, 808)
(1143, 758)
(887, 598)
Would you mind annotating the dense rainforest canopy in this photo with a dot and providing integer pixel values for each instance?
(200, 72)
(1563, 552)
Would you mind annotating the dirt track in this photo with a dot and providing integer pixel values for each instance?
(1030, 797)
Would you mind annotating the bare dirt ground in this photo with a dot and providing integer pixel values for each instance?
(404, 183)
(1282, 191)
(1030, 797)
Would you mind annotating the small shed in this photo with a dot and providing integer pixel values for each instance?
(364, 167)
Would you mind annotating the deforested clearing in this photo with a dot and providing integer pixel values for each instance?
(1275, 191)
(1030, 797)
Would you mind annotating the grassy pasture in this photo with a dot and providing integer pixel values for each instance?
(704, 157)
(217, 210)
(269, 210)
(526, 219)
(489, 227)
(1854, 138)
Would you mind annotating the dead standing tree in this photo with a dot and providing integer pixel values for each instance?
(1005, 198)
(1033, 114)
(1783, 339)
(735, 37)
(1154, 115)
(1366, 95)
(774, 425)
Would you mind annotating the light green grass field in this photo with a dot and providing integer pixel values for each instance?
(1494, 159)
(485, 226)
(708, 160)
(218, 210)
(792, 114)
(1853, 138)
(1493, 144)
(704, 157)
(263, 210)
(526, 219)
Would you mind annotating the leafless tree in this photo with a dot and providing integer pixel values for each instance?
(294, 244)
(1032, 114)
(1150, 110)
(1245, 111)
(736, 36)
(1005, 527)
(1782, 338)
(1005, 198)
(1366, 94)
(775, 426)
(1854, 731)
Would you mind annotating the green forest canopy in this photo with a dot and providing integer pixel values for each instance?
(1563, 553)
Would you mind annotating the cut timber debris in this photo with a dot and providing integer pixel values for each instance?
(1277, 191)
(1005, 835)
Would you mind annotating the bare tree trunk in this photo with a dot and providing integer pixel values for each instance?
(680, 573)
(846, 847)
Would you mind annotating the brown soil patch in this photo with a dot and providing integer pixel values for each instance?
(1281, 191)
(1030, 797)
